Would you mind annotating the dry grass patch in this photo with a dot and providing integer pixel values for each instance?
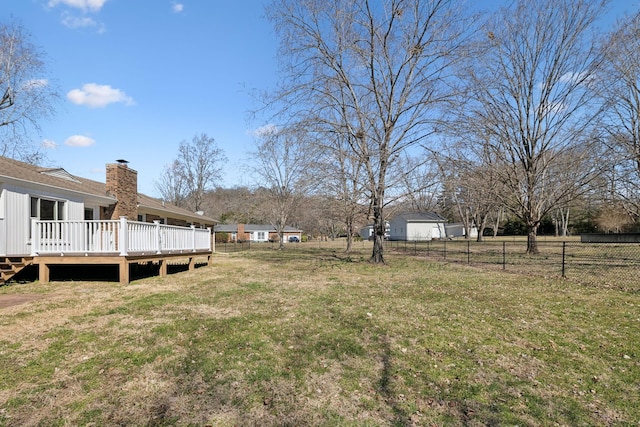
(314, 337)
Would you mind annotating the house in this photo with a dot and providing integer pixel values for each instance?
(417, 226)
(50, 217)
(256, 232)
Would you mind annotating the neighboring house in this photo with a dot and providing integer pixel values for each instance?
(417, 226)
(457, 230)
(256, 232)
(50, 217)
(366, 232)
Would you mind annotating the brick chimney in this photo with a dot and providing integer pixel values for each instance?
(240, 235)
(122, 183)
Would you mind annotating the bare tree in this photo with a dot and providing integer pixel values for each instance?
(560, 218)
(419, 185)
(619, 87)
(344, 182)
(473, 188)
(26, 95)
(196, 171)
(172, 186)
(237, 204)
(283, 158)
(531, 102)
(374, 71)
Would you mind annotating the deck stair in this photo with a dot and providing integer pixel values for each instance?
(10, 266)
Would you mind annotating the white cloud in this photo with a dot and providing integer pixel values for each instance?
(48, 144)
(84, 5)
(177, 7)
(573, 77)
(79, 141)
(264, 131)
(551, 108)
(97, 96)
(70, 21)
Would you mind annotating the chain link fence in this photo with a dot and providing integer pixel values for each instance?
(598, 264)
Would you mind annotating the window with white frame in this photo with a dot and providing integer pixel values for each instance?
(47, 210)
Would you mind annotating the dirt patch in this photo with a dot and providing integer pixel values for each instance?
(11, 300)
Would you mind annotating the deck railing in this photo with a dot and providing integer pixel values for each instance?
(120, 237)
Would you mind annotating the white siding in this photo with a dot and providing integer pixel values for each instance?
(3, 249)
(17, 216)
(74, 211)
(2, 203)
(419, 231)
(416, 230)
(17, 223)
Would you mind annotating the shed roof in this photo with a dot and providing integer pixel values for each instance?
(419, 217)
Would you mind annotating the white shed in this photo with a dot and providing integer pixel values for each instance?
(417, 226)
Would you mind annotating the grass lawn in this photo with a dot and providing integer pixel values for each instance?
(311, 337)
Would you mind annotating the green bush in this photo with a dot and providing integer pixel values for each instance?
(222, 237)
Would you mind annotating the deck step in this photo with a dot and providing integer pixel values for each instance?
(10, 266)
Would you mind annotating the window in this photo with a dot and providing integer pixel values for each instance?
(47, 210)
(88, 214)
(261, 235)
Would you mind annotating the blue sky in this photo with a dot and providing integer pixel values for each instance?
(140, 76)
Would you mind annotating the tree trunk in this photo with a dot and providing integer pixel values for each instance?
(565, 223)
(497, 224)
(349, 236)
(532, 234)
(377, 257)
(481, 226)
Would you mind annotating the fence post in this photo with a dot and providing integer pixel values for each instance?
(444, 251)
(564, 251)
(504, 255)
(468, 251)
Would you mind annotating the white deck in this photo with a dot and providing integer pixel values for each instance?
(115, 237)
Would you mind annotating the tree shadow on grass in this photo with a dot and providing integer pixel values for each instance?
(385, 387)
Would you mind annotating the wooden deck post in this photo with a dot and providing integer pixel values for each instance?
(163, 267)
(124, 271)
(44, 272)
